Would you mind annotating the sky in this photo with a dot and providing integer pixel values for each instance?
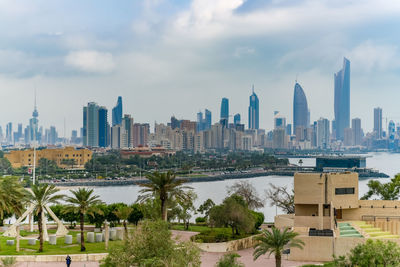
(178, 57)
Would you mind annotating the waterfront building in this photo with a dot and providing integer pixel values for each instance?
(342, 99)
(357, 131)
(300, 111)
(253, 111)
(323, 133)
(224, 118)
(378, 123)
(24, 158)
(117, 112)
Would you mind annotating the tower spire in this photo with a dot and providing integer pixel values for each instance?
(252, 88)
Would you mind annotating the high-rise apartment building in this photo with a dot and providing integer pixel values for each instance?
(300, 109)
(224, 112)
(342, 99)
(357, 131)
(323, 133)
(117, 112)
(254, 111)
(378, 123)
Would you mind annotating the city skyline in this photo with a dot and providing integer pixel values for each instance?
(95, 51)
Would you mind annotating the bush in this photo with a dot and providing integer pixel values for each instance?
(258, 218)
(221, 237)
(200, 220)
(229, 260)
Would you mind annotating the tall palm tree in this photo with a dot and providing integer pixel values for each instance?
(163, 186)
(83, 202)
(275, 241)
(40, 196)
(123, 214)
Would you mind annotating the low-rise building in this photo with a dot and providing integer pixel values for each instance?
(67, 157)
(331, 219)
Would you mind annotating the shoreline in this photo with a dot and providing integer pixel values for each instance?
(212, 178)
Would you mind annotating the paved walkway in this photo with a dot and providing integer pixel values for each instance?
(57, 264)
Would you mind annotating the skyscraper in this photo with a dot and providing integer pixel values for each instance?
(92, 124)
(253, 111)
(357, 132)
(300, 109)
(117, 112)
(342, 99)
(9, 132)
(236, 119)
(103, 127)
(207, 118)
(323, 133)
(224, 112)
(391, 130)
(200, 121)
(378, 123)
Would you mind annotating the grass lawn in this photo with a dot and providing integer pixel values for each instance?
(211, 235)
(60, 248)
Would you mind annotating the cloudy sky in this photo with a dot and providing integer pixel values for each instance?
(168, 57)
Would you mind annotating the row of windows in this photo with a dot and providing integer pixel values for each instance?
(344, 191)
(66, 155)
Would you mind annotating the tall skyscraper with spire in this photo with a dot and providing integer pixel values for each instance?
(34, 123)
(342, 99)
(300, 108)
(253, 111)
(117, 113)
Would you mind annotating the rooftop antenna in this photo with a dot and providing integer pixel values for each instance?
(252, 88)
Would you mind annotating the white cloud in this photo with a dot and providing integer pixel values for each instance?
(217, 18)
(90, 61)
(369, 56)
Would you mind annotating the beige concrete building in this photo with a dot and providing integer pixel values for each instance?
(331, 219)
(24, 158)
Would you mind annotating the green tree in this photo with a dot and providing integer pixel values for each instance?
(386, 191)
(12, 197)
(48, 166)
(40, 196)
(186, 205)
(111, 217)
(206, 207)
(275, 241)
(83, 202)
(163, 186)
(123, 214)
(98, 218)
(136, 214)
(234, 213)
(229, 260)
(150, 244)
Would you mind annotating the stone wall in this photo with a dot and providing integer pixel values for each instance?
(233, 245)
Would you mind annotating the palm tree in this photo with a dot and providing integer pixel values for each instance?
(83, 202)
(123, 214)
(12, 196)
(163, 186)
(40, 196)
(275, 241)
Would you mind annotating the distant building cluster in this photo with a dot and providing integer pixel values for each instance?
(228, 132)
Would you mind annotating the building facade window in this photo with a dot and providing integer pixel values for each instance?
(344, 191)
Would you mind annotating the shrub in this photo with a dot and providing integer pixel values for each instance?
(258, 218)
(229, 260)
(200, 220)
